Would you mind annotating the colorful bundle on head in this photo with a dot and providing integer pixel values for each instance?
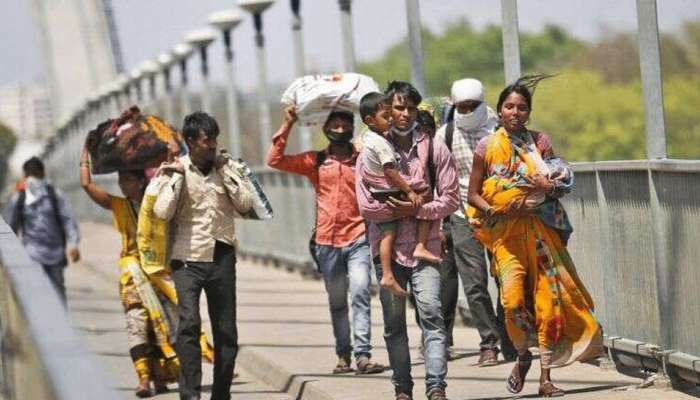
(133, 141)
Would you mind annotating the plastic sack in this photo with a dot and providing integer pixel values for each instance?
(316, 96)
(261, 209)
(133, 141)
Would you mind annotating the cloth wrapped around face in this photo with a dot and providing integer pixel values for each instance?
(134, 141)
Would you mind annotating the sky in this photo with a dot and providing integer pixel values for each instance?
(149, 27)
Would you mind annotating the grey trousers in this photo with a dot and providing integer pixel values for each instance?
(467, 258)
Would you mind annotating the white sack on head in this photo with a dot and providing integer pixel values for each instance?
(316, 96)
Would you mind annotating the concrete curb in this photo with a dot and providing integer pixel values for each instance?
(276, 376)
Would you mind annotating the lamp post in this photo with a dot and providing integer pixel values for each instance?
(135, 81)
(200, 40)
(416, 43)
(165, 60)
(257, 7)
(181, 52)
(226, 21)
(150, 69)
(346, 33)
(299, 65)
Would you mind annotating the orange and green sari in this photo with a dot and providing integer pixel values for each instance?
(545, 303)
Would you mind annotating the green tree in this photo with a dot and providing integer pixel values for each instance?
(7, 145)
(462, 51)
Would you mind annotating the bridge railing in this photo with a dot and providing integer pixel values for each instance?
(41, 356)
(634, 245)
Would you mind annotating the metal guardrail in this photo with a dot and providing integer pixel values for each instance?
(41, 356)
(635, 244)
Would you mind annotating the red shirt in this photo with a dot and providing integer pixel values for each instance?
(338, 221)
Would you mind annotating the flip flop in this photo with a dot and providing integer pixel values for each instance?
(515, 384)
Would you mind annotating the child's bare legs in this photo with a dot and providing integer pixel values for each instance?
(386, 246)
(421, 251)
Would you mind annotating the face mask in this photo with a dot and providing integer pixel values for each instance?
(339, 138)
(472, 120)
(398, 132)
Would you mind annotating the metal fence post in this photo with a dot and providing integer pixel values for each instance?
(511, 40)
(416, 43)
(652, 84)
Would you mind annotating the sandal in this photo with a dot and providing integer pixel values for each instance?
(547, 389)
(515, 383)
(343, 365)
(366, 366)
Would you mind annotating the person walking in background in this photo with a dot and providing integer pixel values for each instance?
(416, 151)
(472, 120)
(514, 207)
(204, 194)
(41, 216)
(341, 245)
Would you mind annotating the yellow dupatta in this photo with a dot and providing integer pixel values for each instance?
(130, 266)
(545, 302)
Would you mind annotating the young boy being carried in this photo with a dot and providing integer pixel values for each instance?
(381, 159)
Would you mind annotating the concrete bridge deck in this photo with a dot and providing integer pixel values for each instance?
(287, 345)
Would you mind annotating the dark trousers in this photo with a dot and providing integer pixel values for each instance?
(55, 274)
(218, 279)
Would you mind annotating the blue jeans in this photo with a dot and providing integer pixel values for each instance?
(426, 286)
(342, 267)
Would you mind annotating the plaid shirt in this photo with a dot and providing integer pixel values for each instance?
(463, 146)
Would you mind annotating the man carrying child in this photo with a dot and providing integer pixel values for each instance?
(383, 180)
(418, 155)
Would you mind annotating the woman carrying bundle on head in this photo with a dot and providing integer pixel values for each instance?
(147, 294)
(513, 197)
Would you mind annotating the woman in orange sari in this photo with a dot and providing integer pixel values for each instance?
(514, 206)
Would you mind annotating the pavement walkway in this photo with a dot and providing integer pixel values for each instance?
(287, 348)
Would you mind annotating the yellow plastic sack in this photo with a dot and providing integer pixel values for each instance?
(152, 233)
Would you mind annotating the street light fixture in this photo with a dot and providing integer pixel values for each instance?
(200, 40)
(181, 52)
(256, 8)
(226, 21)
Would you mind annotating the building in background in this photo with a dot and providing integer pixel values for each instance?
(26, 109)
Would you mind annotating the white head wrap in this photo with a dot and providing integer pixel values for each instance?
(467, 89)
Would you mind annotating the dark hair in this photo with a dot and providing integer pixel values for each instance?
(524, 86)
(425, 119)
(33, 167)
(199, 122)
(371, 103)
(346, 115)
(403, 89)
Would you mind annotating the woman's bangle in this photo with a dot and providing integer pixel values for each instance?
(85, 164)
(490, 211)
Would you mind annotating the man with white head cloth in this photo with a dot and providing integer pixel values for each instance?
(472, 121)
